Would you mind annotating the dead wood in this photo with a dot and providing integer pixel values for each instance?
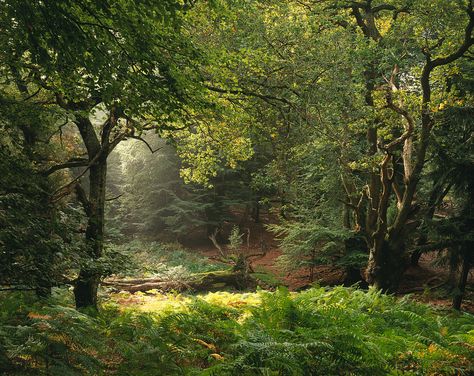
(202, 282)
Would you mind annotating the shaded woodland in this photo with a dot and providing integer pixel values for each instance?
(181, 177)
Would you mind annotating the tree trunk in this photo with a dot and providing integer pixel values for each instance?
(354, 244)
(415, 258)
(439, 191)
(85, 290)
(256, 211)
(386, 266)
(200, 282)
(461, 288)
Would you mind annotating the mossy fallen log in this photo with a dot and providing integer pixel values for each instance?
(200, 282)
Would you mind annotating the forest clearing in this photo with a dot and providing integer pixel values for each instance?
(236, 187)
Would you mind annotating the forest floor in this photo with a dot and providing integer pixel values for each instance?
(425, 282)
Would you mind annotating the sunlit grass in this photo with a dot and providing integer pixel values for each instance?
(159, 303)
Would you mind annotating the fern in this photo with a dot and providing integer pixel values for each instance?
(338, 331)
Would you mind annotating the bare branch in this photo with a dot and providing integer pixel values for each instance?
(213, 239)
(463, 48)
(116, 141)
(56, 194)
(427, 123)
(399, 110)
(73, 162)
(32, 95)
(114, 198)
(146, 143)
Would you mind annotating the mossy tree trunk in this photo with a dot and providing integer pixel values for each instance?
(386, 267)
(85, 290)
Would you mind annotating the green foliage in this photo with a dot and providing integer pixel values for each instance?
(318, 79)
(51, 340)
(170, 261)
(306, 245)
(316, 332)
(235, 239)
(346, 331)
(130, 60)
(262, 102)
(263, 276)
(37, 243)
(74, 53)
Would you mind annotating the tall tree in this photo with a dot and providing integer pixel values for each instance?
(128, 59)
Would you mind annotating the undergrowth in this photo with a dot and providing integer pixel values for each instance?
(342, 331)
(166, 260)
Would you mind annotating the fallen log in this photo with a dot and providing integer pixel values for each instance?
(161, 286)
(116, 282)
(200, 282)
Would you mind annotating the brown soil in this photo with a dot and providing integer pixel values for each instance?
(427, 283)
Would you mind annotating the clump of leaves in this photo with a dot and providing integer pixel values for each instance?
(348, 331)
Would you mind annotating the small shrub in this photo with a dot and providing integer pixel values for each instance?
(235, 239)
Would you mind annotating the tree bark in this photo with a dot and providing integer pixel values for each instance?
(386, 266)
(387, 259)
(461, 288)
(212, 281)
(85, 291)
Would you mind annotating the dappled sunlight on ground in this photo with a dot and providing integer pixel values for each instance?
(154, 301)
